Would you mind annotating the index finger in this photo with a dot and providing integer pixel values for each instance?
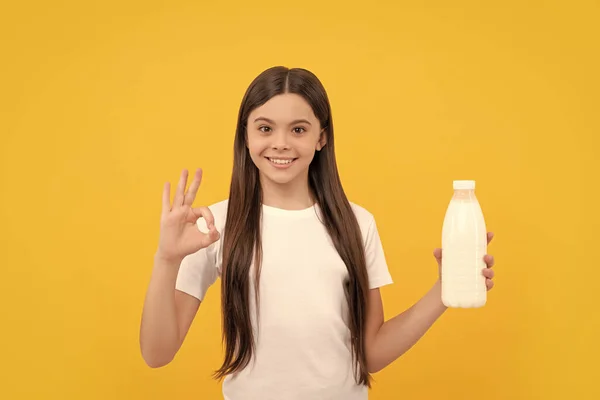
(490, 236)
(205, 213)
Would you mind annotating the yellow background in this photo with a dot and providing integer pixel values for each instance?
(102, 103)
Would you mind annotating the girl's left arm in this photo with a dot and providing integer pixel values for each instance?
(386, 341)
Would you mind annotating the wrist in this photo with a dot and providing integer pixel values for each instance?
(437, 289)
(170, 262)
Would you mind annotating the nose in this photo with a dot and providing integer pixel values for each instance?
(280, 141)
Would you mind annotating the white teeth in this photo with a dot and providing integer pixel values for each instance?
(278, 161)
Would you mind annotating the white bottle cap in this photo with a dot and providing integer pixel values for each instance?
(464, 185)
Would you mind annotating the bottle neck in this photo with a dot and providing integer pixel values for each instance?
(464, 194)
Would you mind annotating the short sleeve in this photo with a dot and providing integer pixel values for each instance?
(197, 272)
(377, 268)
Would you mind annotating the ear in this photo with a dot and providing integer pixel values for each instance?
(322, 140)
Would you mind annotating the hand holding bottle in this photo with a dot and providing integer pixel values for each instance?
(488, 259)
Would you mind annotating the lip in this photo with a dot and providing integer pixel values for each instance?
(281, 166)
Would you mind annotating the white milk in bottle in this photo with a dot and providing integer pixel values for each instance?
(464, 244)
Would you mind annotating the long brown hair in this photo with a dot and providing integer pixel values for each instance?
(242, 232)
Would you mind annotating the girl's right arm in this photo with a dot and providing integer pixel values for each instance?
(168, 313)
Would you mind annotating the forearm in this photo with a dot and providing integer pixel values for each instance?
(159, 332)
(399, 334)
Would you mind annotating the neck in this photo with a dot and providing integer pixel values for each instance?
(291, 196)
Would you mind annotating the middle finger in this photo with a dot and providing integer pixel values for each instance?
(190, 195)
(179, 194)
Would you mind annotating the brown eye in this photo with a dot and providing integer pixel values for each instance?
(299, 130)
(264, 129)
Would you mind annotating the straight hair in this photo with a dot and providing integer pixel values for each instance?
(242, 233)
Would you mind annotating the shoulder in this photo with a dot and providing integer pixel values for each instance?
(362, 214)
(365, 219)
(219, 209)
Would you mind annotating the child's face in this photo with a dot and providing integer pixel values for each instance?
(283, 135)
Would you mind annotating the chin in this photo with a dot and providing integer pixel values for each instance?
(280, 179)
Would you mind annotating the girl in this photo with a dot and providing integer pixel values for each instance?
(300, 265)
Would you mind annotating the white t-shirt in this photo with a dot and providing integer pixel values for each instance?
(303, 340)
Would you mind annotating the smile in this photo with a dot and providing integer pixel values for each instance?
(281, 162)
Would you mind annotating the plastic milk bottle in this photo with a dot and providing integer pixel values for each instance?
(464, 244)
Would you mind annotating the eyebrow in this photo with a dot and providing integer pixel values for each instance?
(270, 121)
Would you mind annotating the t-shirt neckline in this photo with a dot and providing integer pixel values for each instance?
(270, 210)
